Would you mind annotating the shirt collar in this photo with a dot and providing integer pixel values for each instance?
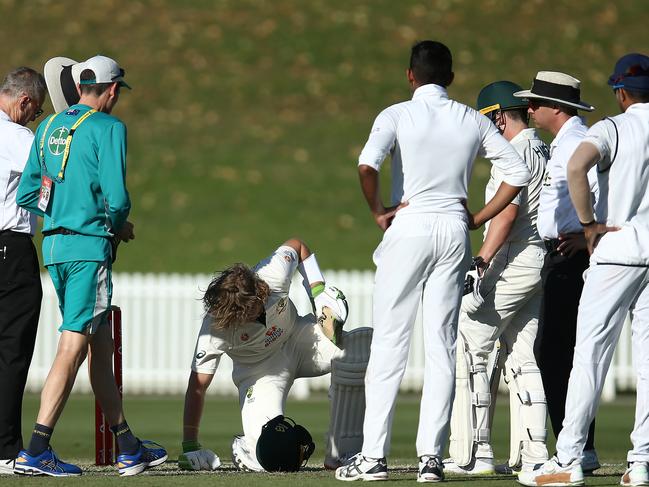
(430, 90)
(570, 123)
(525, 134)
(4, 116)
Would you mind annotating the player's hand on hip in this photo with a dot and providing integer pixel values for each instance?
(384, 219)
(592, 234)
(471, 223)
(126, 233)
(202, 459)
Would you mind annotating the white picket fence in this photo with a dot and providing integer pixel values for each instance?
(162, 313)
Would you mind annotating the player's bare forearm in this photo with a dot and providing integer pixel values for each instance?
(499, 229)
(369, 179)
(299, 246)
(585, 156)
(504, 196)
(194, 402)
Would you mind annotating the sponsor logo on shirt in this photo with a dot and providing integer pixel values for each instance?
(249, 397)
(56, 142)
(201, 354)
(272, 335)
(289, 257)
(244, 337)
(281, 306)
(73, 111)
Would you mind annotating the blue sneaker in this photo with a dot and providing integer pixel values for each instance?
(149, 455)
(47, 463)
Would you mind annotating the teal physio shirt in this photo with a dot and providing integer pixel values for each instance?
(91, 199)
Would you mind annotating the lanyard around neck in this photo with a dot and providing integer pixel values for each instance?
(68, 141)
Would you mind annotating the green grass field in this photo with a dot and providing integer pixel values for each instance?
(246, 117)
(159, 418)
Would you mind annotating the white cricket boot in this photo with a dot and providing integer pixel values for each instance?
(477, 466)
(362, 468)
(7, 466)
(636, 474)
(553, 473)
(242, 458)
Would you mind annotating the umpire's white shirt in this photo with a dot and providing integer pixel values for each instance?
(623, 144)
(556, 213)
(535, 153)
(15, 144)
(434, 141)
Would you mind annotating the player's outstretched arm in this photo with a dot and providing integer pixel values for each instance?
(194, 456)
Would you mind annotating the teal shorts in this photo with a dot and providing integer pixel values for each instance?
(85, 290)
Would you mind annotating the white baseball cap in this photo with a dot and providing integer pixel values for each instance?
(106, 70)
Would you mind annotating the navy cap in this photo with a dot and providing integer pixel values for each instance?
(632, 72)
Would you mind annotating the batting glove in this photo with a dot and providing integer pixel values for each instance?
(195, 457)
(333, 299)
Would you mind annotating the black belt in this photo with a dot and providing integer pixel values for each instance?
(59, 231)
(12, 233)
(551, 244)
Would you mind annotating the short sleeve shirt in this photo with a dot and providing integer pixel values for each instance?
(623, 144)
(556, 214)
(433, 142)
(15, 143)
(252, 342)
(535, 153)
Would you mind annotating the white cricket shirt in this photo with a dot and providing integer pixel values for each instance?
(535, 153)
(556, 214)
(623, 144)
(252, 342)
(15, 144)
(434, 141)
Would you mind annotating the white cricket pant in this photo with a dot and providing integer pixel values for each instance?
(512, 293)
(263, 388)
(422, 259)
(610, 291)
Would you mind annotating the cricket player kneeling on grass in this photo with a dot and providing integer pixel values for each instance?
(250, 317)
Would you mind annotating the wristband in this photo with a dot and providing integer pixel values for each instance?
(191, 445)
(590, 223)
(317, 289)
(311, 274)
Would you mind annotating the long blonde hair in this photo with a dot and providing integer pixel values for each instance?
(235, 296)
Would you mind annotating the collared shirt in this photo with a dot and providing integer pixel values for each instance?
(15, 143)
(434, 141)
(623, 144)
(535, 153)
(250, 343)
(556, 214)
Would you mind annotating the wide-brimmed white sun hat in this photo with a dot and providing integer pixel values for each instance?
(560, 88)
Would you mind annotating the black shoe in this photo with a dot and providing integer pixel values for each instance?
(430, 469)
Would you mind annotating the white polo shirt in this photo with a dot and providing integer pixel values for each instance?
(623, 144)
(434, 141)
(535, 153)
(15, 144)
(556, 213)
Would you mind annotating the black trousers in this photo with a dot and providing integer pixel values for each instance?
(20, 307)
(562, 285)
